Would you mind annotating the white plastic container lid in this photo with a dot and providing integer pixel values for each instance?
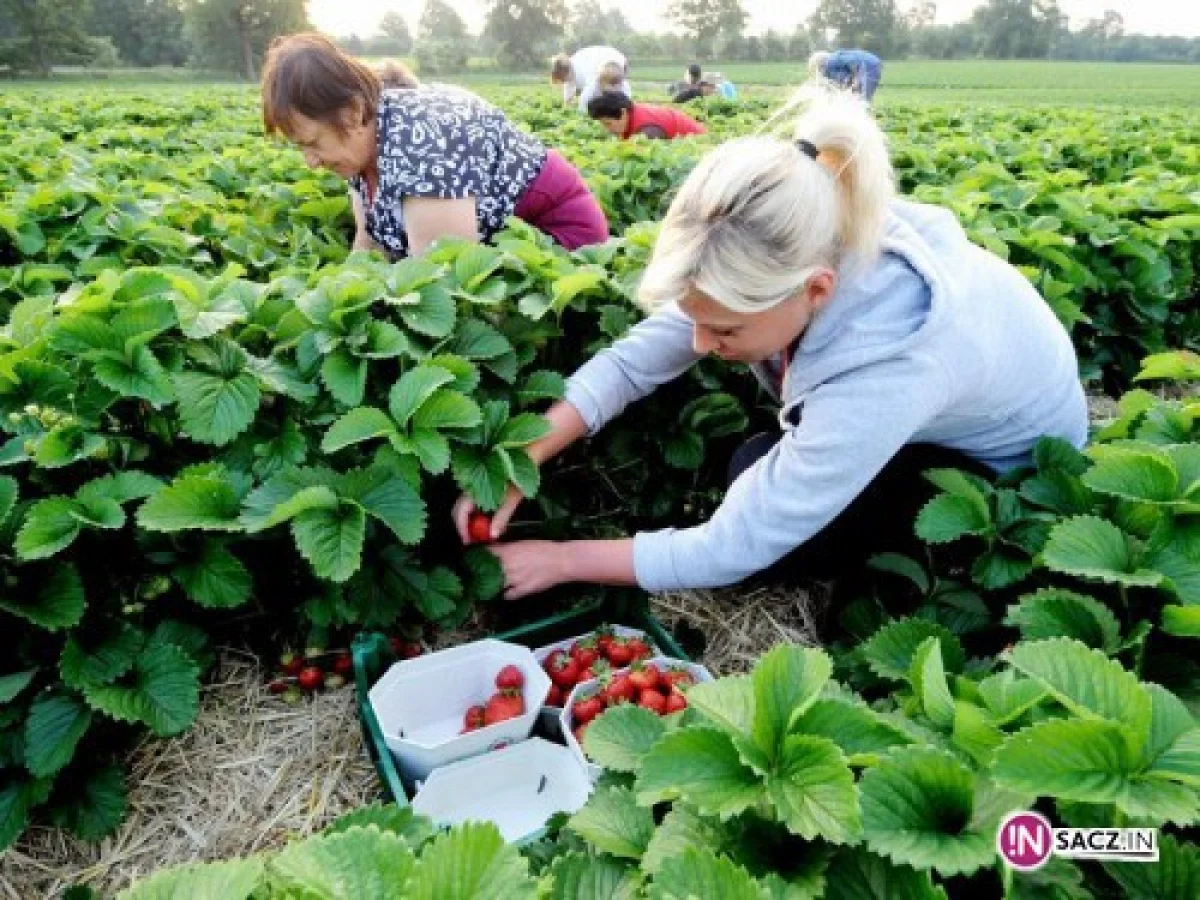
(526, 784)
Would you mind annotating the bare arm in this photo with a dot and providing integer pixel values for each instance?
(534, 566)
(362, 240)
(428, 218)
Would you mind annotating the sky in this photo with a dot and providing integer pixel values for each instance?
(361, 17)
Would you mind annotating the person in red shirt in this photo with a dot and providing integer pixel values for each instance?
(623, 118)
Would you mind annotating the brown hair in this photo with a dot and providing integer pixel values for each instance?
(396, 75)
(308, 74)
(560, 68)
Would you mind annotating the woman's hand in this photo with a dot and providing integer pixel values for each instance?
(464, 506)
(531, 567)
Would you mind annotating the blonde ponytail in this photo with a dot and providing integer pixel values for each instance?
(760, 215)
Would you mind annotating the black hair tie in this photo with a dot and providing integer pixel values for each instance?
(808, 148)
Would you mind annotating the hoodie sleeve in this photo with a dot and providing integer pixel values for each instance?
(656, 350)
(850, 428)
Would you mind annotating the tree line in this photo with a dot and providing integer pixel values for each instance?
(232, 35)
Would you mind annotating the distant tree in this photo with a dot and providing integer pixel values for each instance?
(590, 23)
(233, 35)
(869, 24)
(524, 31)
(40, 33)
(395, 27)
(775, 46)
(443, 44)
(1018, 29)
(145, 32)
(703, 21)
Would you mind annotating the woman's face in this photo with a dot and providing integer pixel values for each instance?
(348, 152)
(754, 337)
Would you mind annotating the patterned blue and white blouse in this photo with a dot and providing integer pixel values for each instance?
(445, 142)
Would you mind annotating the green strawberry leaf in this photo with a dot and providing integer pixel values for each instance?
(332, 539)
(55, 726)
(215, 579)
(471, 862)
(363, 423)
(205, 499)
(701, 766)
(215, 409)
(1090, 547)
(1055, 612)
(613, 823)
(99, 653)
(58, 602)
(621, 737)
(701, 873)
(162, 692)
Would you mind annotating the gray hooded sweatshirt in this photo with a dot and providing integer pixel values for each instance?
(938, 341)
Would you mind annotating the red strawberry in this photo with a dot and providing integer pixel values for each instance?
(291, 663)
(473, 719)
(510, 677)
(279, 685)
(643, 677)
(343, 664)
(603, 637)
(680, 678)
(503, 705)
(552, 659)
(310, 678)
(639, 648)
(405, 649)
(653, 701)
(675, 702)
(579, 732)
(585, 652)
(479, 528)
(619, 653)
(619, 690)
(588, 708)
(555, 697)
(564, 672)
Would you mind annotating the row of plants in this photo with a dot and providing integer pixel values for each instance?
(1100, 213)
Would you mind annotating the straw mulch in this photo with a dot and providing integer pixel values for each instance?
(250, 774)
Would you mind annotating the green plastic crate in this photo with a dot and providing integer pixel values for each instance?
(373, 655)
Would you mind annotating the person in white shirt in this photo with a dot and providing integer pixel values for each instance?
(589, 72)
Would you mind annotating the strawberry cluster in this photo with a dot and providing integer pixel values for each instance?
(317, 668)
(592, 657)
(660, 690)
(507, 703)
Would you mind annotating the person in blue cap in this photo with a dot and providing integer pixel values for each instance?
(857, 70)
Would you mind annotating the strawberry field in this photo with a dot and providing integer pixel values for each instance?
(216, 425)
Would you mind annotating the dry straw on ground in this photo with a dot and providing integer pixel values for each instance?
(249, 775)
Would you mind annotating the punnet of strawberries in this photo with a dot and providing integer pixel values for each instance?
(508, 702)
(595, 656)
(662, 689)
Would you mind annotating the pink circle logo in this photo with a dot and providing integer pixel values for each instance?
(1025, 840)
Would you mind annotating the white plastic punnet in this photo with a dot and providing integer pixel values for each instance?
(587, 688)
(518, 788)
(420, 704)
